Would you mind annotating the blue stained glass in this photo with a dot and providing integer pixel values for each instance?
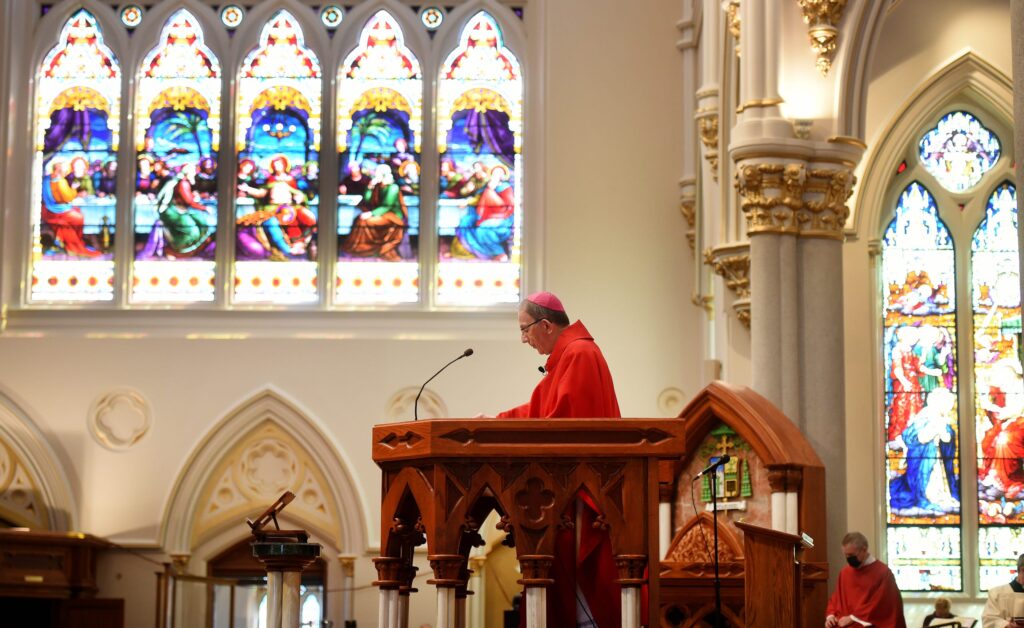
(959, 151)
(921, 425)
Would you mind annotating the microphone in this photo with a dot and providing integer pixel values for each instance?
(542, 370)
(416, 404)
(712, 467)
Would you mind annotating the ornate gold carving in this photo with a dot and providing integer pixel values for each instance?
(19, 493)
(770, 195)
(825, 211)
(707, 126)
(732, 263)
(732, 16)
(822, 17)
(789, 198)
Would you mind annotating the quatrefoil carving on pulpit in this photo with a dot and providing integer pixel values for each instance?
(534, 500)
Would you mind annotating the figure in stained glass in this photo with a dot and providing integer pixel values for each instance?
(480, 138)
(379, 229)
(959, 151)
(184, 226)
(922, 430)
(373, 203)
(59, 214)
(282, 225)
(928, 485)
(999, 386)
(77, 113)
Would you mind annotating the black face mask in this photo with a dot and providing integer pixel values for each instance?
(853, 561)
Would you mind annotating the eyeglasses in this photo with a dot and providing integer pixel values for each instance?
(523, 329)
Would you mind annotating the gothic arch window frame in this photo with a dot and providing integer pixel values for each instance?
(230, 51)
(968, 84)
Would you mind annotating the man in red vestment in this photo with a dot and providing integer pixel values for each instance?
(866, 594)
(577, 384)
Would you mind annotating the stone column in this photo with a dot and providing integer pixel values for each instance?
(770, 193)
(389, 581)
(631, 578)
(536, 570)
(823, 398)
(348, 572)
(478, 603)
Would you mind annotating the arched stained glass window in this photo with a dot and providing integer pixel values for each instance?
(479, 133)
(77, 117)
(278, 143)
(959, 151)
(380, 124)
(177, 138)
(998, 388)
(921, 425)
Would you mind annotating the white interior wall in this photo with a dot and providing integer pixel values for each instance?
(609, 153)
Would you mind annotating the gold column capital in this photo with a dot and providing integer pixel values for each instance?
(792, 198)
(732, 262)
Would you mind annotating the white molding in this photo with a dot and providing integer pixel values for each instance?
(344, 495)
(19, 432)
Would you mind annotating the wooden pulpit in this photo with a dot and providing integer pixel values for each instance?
(442, 478)
(773, 577)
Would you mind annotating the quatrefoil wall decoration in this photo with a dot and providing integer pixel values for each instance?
(535, 500)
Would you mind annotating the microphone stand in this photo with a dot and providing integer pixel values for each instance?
(718, 582)
(416, 404)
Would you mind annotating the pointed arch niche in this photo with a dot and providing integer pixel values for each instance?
(967, 79)
(262, 448)
(34, 488)
(774, 480)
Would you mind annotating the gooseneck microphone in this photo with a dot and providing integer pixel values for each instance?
(416, 404)
(711, 467)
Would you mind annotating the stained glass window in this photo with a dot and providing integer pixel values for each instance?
(999, 388)
(177, 137)
(922, 430)
(380, 125)
(959, 151)
(277, 135)
(479, 132)
(77, 113)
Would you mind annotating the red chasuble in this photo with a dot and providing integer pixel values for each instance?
(578, 385)
(870, 594)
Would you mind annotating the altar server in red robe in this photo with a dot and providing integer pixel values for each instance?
(866, 594)
(577, 385)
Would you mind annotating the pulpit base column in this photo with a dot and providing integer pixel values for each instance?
(631, 578)
(536, 579)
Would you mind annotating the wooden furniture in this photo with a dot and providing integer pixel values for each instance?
(773, 584)
(49, 579)
(786, 482)
(441, 478)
